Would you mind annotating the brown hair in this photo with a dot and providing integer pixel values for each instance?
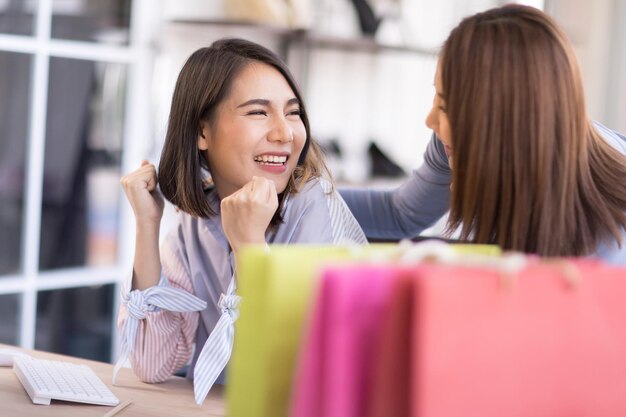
(530, 172)
(203, 83)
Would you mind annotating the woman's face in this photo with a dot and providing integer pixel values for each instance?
(437, 118)
(257, 131)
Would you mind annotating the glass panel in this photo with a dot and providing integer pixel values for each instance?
(17, 17)
(10, 324)
(15, 74)
(91, 20)
(76, 322)
(82, 163)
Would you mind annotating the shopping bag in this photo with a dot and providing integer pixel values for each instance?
(334, 372)
(548, 340)
(277, 288)
(389, 392)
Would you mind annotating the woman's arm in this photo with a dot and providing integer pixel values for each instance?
(406, 211)
(147, 203)
(164, 339)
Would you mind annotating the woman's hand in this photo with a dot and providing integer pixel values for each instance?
(247, 212)
(144, 198)
(147, 204)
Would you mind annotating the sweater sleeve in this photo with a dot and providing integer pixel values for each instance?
(164, 339)
(409, 209)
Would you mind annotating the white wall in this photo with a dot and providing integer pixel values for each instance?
(596, 29)
(615, 94)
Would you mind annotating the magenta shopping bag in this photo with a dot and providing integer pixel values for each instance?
(334, 370)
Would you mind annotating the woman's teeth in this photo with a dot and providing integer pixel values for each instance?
(270, 159)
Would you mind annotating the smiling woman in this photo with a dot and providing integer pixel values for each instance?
(237, 123)
(257, 130)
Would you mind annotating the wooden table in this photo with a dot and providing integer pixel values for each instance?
(171, 398)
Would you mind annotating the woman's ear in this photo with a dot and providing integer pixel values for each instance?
(204, 136)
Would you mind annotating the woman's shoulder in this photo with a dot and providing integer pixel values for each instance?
(319, 205)
(612, 252)
(317, 192)
(314, 189)
(317, 197)
(613, 138)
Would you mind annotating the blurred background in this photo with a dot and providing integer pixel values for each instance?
(85, 88)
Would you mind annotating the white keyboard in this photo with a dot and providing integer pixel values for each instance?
(46, 380)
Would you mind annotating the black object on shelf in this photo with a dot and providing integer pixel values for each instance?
(331, 148)
(382, 165)
(367, 19)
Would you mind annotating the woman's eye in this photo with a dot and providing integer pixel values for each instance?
(257, 113)
(295, 112)
(442, 108)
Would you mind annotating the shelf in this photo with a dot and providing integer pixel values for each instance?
(362, 44)
(313, 39)
(262, 27)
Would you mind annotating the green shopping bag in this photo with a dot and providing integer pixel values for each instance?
(276, 289)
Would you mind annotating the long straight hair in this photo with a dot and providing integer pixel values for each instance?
(530, 171)
(203, 84)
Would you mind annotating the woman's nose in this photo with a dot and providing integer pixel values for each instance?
(431, 118)
(280, 131)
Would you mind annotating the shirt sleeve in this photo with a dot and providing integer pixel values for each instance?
(164, 341)
(406, 211)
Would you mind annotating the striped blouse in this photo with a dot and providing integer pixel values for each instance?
(196, 258)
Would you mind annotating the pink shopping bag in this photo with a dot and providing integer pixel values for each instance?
(548, 341)
(334, 370)
(390, 387)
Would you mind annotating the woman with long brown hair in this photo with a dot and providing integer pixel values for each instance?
(514, 157)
